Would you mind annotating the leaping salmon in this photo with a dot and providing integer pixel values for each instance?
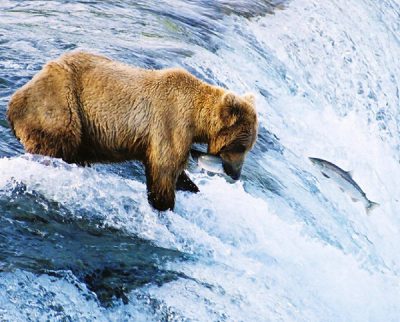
(345, 182)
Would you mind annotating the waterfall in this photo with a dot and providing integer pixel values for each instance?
(284, 243)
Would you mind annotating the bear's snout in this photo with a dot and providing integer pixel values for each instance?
(233, 169)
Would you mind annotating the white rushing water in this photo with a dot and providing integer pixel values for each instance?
(285, 244)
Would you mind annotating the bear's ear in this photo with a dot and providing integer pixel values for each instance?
(229, 99)
(249, 97)
(230, 109)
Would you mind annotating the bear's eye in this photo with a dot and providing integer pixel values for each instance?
(238, 148)
(234, 147)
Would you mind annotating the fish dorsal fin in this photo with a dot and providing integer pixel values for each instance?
(350, 173)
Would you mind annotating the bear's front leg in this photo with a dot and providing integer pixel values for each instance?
(184, 183)
(160, 188)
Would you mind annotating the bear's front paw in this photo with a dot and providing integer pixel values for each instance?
(160, 202)
(185, 184)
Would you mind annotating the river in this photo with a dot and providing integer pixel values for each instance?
(282, 244)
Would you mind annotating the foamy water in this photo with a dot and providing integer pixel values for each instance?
(282, 244)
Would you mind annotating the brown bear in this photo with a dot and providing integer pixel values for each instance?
(87, 108)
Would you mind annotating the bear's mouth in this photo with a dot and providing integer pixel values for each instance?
(232, 169)
(217, 164)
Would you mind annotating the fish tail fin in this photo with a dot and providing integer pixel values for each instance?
(371, 206)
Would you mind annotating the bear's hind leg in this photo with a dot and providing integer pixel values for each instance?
(57, 145)
(45, 114)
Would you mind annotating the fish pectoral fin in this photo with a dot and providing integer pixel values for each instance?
(341, 189)
(325, 175)
(354, 199)
(371, 206)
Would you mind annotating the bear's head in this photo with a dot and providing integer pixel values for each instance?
(235, 131)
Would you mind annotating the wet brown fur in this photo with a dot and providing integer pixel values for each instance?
(86, 108)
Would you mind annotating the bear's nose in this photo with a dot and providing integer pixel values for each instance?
(232, 169)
